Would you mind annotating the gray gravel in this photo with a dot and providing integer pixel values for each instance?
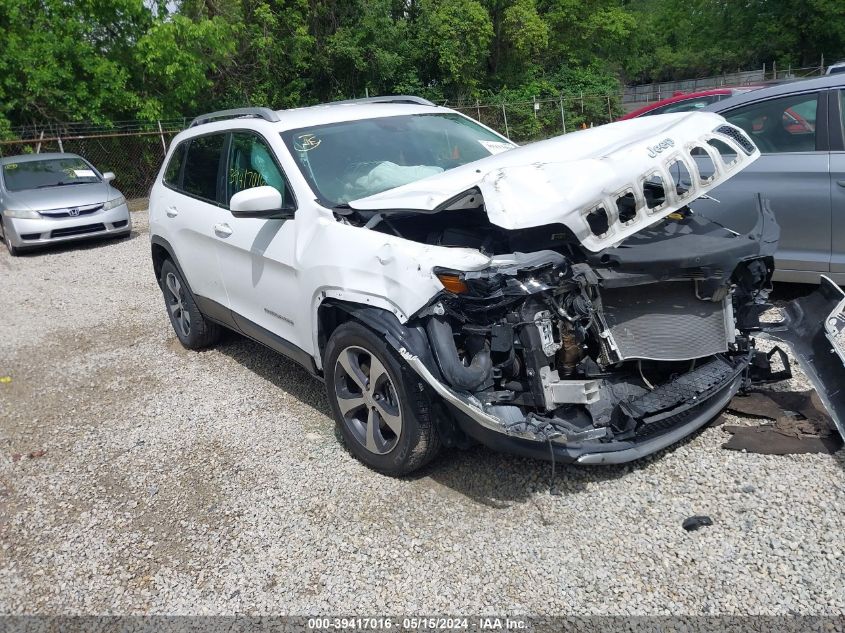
(212, 482)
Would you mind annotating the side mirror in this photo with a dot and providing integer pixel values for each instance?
(259, 202)
(108, 176)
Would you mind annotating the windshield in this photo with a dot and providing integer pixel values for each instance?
(355, 159)
(51, 172)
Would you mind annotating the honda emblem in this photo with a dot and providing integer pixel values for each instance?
(73, 212)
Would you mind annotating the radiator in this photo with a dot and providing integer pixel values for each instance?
(665, 321)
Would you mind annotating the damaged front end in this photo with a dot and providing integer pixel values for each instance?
(602, 357)
(612, 320)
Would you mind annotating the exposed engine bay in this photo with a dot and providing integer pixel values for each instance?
(604, 337)
(577, 346)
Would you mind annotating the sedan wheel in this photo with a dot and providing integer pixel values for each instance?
(368, 400)
(7, 240)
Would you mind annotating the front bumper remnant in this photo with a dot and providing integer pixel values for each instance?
(663, 417)
(814, 328)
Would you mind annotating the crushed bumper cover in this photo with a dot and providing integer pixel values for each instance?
(663, 417)
(814, 329)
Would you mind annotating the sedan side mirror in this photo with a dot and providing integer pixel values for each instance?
(108, 176)
(260, 202)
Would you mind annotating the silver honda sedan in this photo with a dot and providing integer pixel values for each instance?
(49, 198)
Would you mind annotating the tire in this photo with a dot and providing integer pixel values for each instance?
(192, 329)
(404, 436)
(13, 250)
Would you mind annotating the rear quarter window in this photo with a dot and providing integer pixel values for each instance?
(173, 171)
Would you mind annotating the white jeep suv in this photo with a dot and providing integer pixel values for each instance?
(559, 300)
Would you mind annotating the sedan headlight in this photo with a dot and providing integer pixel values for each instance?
(21, 214)
(111, 204)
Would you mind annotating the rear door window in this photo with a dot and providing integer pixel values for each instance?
(786, 124)
(202, 167)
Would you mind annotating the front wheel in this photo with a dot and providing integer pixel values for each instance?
(7, 240)
(381, 406)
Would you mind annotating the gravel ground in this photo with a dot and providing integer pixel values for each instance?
(212, 482)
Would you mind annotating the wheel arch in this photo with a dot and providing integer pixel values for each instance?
(161, 251)
(331, 313)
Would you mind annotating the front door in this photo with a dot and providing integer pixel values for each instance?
(257, 256)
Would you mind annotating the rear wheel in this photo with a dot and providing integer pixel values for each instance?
(192, 329)
(381, 406)
(7, 240)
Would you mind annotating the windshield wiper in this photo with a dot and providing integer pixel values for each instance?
(62, 183)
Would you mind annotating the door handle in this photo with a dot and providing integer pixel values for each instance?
(841, 183)
(171, 212)
(222, 230)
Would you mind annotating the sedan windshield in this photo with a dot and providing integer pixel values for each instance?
(354, 159)
(51, 172)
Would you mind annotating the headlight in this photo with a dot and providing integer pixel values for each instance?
(111, 204)
(21, 214)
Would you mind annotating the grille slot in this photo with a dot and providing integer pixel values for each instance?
(78, 230)
(737, 136)
(665, 321)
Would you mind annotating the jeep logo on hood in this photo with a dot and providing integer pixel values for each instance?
(663, 145)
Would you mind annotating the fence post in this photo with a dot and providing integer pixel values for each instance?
(821, 68)
(505, 116)
(478, 110)
(535, 105)
(38, 147)
(161, 133)
(61, 147)
(774, 70)
(609, 110)
(562, 115)
(582, 102)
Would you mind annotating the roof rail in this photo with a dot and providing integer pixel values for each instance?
(262, 113)
(410, 99)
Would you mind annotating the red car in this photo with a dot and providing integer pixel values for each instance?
(687, 102)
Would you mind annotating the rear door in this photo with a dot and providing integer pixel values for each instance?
(792, 173)
(257, 255)
(191, 200)
(837, 182)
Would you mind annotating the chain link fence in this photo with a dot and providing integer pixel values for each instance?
(539, 118)
(134, 154)
(639, 95)
(134, 150)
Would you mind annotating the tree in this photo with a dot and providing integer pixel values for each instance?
(68, 60)
(455, 37)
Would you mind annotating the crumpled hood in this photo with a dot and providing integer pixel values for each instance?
(62, 197)
(571, 178)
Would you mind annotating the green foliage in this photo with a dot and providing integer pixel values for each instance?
(455, 37)
(108, 60)
(178, 59)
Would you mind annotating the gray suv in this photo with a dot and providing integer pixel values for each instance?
(798, 128)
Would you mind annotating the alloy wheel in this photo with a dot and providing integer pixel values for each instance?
(176, 304)
(367, 399)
